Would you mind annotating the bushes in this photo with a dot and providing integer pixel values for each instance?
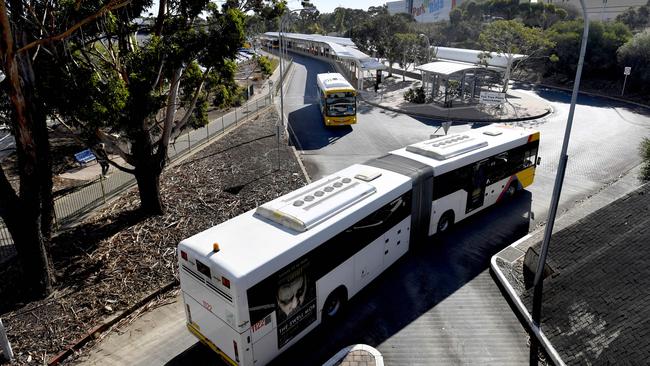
(265, 65)
(644, 149)
(416, 95)
(636, 54)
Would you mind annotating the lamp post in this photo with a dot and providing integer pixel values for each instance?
(557, 188)
(422, 35)
(306, 7)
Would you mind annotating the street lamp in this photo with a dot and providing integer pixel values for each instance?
(557, 188)
(422, 35)
(306, 7)
(309, 8)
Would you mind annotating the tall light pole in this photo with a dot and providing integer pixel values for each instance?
(306, 7)
(422, 35)
(557, 189)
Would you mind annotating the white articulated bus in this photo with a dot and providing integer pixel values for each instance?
(259, 282)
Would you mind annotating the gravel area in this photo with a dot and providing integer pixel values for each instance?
(109, 262)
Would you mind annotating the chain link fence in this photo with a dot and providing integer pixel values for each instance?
(69, 208)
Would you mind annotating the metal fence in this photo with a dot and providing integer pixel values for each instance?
(70, 207)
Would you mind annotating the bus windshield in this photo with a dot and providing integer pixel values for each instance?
(341, 104)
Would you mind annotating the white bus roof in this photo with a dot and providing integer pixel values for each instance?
(331, 80)
(449, 152)
(249, 242)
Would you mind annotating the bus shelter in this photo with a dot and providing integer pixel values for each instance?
(357, 65)
(446, 81)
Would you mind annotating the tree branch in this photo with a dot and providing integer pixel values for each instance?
(112, 5)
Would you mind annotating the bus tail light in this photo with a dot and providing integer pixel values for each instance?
(234, 344)
(183, 255)
(225, 282)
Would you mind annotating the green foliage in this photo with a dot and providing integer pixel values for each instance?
(265, 65)
(636, 54)
(636, 18)
(644, 151)
(416, 95)
(510, 37)
(604, 39)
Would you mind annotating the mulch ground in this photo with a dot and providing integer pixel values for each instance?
(109, 262)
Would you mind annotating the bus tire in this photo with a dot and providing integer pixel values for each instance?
(334, 303)
(446, 222)
(512, 189)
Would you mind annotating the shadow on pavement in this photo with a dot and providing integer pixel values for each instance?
(308, 130)
(416, 283)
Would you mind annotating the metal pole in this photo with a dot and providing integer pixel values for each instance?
(189, 145)
(4, 343)
(559, 177)
(624, 81)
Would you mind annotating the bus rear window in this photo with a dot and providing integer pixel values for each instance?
(203, 269)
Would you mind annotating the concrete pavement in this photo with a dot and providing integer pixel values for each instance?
(390, 96)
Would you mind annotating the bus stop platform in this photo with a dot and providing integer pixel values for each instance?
(595, 299)
(520, 105)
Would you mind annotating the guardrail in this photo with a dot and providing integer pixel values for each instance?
(69, 208)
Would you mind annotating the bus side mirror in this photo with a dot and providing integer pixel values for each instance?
(539, 160)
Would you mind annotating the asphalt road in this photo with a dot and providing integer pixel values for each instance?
(440, 304)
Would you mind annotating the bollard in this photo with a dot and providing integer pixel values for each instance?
(4, 343)
(189, 145)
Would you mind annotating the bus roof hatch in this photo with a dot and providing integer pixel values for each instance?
(446, 147)
(307, 207)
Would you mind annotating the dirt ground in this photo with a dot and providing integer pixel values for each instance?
(112, 260)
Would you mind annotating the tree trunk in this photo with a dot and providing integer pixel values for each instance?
(31, 245)
(148, 178)
(28, 215)
(506, 77)
(148, 167)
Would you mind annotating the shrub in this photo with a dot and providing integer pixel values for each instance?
(416, 95)
(265, 65)
(644, 150)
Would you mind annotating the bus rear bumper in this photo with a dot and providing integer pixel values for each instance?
(193, 329)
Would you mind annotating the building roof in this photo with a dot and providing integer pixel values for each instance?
(446, 67)
(472, 56)
(343, 48)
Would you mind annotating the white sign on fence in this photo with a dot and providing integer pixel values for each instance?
(627, 70)
(492, 98)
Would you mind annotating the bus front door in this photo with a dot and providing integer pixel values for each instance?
(476, 192)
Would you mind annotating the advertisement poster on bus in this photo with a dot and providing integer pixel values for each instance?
(291, 294)
(428, 11)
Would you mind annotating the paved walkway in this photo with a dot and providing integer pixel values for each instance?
(390, 95)
(595, 304)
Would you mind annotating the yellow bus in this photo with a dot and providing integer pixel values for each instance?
(337, 99)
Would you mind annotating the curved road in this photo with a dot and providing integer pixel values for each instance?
(440, 303)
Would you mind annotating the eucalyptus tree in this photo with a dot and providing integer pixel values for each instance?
(30, 34)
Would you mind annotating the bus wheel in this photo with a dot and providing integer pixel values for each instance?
(334, 303)
(512, 189)
(446, 221)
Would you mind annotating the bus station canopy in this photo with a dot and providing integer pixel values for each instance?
(446, 68)
(341, 47)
